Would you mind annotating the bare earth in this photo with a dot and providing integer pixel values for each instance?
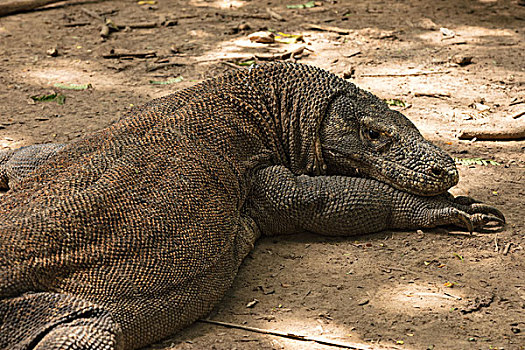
(432, 289)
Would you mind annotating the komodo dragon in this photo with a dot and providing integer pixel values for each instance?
(129, 234)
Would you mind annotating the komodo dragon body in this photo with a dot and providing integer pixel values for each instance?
(122, 238)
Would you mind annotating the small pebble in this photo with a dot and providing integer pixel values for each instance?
(363, 302)
(53, 52)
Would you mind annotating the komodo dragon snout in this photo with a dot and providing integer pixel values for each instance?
(361, 135)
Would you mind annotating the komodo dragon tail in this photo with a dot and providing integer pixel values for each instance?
(62, 322)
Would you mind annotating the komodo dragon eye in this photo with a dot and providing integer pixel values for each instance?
(371, 134)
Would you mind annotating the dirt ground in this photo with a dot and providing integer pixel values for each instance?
(431, 289)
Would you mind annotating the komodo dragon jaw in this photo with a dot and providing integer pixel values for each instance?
(362, 136)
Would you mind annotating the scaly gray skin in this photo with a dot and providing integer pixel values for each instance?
(124, 237)
(22, 162)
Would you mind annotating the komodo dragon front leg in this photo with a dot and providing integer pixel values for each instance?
(282, 203)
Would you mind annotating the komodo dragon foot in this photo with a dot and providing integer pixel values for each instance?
(461, 211)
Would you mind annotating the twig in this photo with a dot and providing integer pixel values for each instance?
(508, 132)
(185, 17)
(120, 53)
(437, 295)
(327, 28)
(496, 248)
(352, 54)
(15, 6)
(275, 15)
(506, 249)
(138, 25)
(246, 15)
(516, 102)
(77, 24)
(229, 64)
(288, 335)
(431, 94)
(281, 55)
(461, 42)
(92, 14)
(243, 57)
(397, 269)
(406, 74)
(164, 65)
(453, 296)
(516, 116)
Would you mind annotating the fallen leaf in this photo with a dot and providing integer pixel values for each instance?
(167, 82)
(246, 63)
(73, 86)
(262, 37)
(395, 102)
(288, 38)
(307, 5)
(60, 99)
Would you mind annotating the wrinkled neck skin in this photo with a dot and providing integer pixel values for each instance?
(361, 136)
(296, 99)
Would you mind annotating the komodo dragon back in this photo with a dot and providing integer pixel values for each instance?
(139, 223)
(126, 236)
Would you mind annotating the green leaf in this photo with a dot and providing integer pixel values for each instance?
(73, 86)
(475, 161)
(246, 63)
(167, 82)
(60, 99)
(307, 5)
(459, 256)
(395, 102)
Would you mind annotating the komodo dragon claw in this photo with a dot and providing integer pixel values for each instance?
(463, 211)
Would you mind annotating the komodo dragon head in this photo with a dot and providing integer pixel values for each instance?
(360, 135)
(330, 126)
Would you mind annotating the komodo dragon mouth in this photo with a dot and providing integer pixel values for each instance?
(397, 175)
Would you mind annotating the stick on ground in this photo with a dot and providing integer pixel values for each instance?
(15, 6)
(337, 30)
(507, 132)
(290, 335)
(410, 74)
(120, 53)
